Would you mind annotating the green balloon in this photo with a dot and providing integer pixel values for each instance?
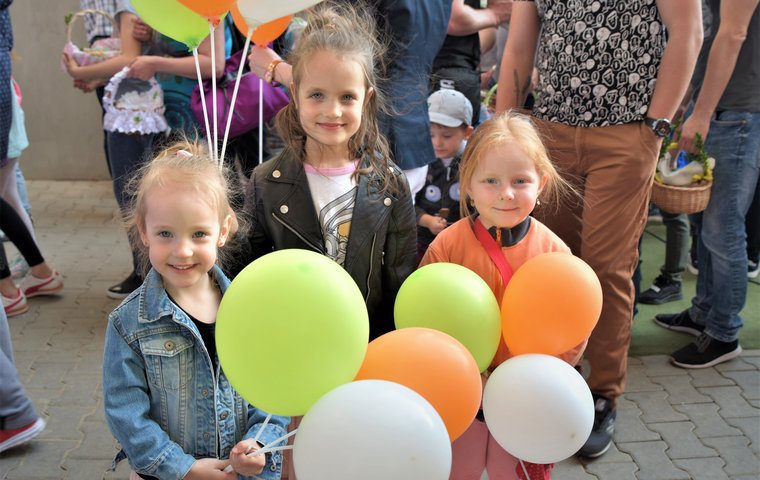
(291, 327)
(455, 300)
(174, 20)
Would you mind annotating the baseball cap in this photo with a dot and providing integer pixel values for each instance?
(449, 108)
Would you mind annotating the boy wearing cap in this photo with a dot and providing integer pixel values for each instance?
(437, 204)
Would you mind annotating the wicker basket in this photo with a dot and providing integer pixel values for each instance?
(681, 199)
(100, 50)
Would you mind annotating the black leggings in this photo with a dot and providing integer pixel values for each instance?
(15, 229)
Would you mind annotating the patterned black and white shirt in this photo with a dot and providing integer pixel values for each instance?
(597, 60)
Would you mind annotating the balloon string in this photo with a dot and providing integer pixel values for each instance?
(261, 120)
(213, 90)
(271, 444)
(203, 99)
(527, 477)
(269, 447)
(235, 92)
(263, 425)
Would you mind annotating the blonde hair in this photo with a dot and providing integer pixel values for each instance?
(187, 163)
(348, 30)
(511, 128)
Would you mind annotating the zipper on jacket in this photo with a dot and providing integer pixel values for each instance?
(301, 237)
(369, 273)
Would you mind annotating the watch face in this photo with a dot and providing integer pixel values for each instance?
(661, 127)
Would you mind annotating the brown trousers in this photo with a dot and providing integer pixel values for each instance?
(612, 169)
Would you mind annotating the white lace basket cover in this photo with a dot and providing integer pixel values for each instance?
(133, 105)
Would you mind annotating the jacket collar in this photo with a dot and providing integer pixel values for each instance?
(369, 209)
(508, 237)
(155, 303)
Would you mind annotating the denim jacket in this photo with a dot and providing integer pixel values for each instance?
(164, 403)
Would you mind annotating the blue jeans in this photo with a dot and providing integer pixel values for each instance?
(16, 409)
(734, 141)
(126, 154)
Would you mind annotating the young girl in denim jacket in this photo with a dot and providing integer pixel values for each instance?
(167, 400)
(334, 188)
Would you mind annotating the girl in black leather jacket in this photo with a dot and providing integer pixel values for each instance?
(334, 188)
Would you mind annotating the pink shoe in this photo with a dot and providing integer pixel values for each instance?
(16, 305)
(34, 287)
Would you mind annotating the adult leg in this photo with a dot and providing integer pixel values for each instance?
(614, 176)
(734, 139)
(16, 409)
(618, 183)
(667, 286)
(752, 224)
(22, 193)
(9, 192)
(19, 234)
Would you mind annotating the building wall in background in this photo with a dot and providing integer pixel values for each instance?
(63, 124)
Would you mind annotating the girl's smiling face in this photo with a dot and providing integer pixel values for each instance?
(504, 186)
(330, 97)
(182, 232)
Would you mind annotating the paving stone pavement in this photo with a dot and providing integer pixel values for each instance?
(672, 423)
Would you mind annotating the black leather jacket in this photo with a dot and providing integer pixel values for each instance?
(381, 247)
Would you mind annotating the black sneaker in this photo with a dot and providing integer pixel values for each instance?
(604, 427)
(705, 352)
(663, 290)
(680, 322)
(127, 286)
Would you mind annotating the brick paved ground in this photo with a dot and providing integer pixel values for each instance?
(672, 423)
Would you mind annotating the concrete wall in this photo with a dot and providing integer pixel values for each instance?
(63, 124)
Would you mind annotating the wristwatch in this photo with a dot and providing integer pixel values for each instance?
(660, 126)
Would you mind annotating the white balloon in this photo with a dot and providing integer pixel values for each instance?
(538, 408)
(372, 430)
(258, 12)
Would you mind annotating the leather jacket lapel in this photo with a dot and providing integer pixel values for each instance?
(294, 208)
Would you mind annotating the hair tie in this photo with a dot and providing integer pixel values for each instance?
(184, 153)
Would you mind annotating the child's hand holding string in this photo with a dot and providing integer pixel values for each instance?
(245, 464)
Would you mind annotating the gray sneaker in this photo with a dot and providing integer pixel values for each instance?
(600, 439)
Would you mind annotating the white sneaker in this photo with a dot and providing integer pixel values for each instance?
(753, 269)
(34, 287)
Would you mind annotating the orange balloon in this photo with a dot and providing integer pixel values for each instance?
(264, 33)
(208, 8)
(433, 364)
(550, 305)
